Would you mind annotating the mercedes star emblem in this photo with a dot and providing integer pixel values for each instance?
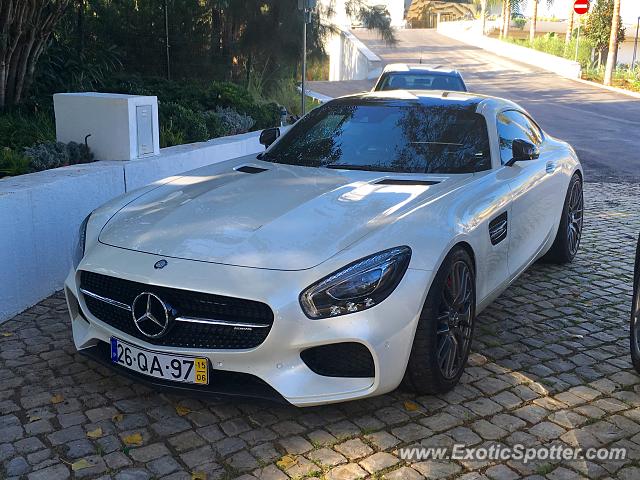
(150, 315)
(160, 264)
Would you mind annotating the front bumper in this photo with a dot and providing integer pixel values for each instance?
(387, 329)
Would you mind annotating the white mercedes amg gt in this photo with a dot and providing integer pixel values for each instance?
(351, 256)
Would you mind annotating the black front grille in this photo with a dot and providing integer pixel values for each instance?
(348, 359)
(186, 304)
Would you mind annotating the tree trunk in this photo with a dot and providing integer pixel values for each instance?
(613, 44)
(504, 15)
(483, 15)
(25, 28)
(507, 23)
(533, 21)
(567, 37)
(80, 27)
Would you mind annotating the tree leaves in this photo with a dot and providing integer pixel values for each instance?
(93, 434)
(133, 440)
(81, 464)
(182, 411)
(286, 462)
(57, 398)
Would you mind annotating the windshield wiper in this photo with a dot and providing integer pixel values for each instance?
(371, 168)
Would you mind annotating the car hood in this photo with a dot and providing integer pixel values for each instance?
(284, 218)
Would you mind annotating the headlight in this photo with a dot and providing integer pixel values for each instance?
(82, 240)
(358, 286)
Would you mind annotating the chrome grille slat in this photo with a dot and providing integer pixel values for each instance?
(110, 301)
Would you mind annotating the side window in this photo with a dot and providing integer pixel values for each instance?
(514, 125)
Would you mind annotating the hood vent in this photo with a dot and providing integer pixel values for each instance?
(250, 169)
(399, 181)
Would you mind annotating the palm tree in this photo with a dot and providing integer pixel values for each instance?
(484, 6)
(572, 14)
(533, 22)
(534, 19)
(613, 44)
(506, 18)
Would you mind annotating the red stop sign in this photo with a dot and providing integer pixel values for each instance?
(581, 7)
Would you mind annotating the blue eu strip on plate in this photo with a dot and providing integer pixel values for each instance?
(114, 350)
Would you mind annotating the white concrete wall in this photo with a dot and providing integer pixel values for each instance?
(109, 118)
(40, 213)
(350, 59)
(470, 32)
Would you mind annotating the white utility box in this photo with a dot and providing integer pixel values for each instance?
(121, 127)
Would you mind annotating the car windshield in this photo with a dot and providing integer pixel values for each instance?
(395, 137)
(421, 81)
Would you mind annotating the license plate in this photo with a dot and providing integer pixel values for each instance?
(177, 368)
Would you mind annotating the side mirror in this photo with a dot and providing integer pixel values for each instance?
(269, 135)
(522, 150)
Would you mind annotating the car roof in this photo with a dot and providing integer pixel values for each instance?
(419, 68)
(444, 98)
(430, 97)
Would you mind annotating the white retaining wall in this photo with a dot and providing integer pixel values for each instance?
(470, 32)
(40, 213)
(350, 59)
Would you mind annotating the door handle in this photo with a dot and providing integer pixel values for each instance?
(551, 167)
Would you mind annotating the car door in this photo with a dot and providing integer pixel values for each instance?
(534, 185)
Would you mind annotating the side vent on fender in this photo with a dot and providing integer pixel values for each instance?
(250, 169)
(498, 229)
(408, 181)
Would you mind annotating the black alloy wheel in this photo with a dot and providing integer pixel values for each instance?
(635, 325)
(444, 332)
(574, 218)
(455, 320)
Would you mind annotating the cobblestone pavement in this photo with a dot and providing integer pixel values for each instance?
(550, 366)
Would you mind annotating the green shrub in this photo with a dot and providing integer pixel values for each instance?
(177, 118)
(554, 45)
(215, 128)
(13, 163)
(230, 95)
(45, 156)
(519, 23)
(18, 130)
(266, 115)
(183, 122)
(79, 153)
(233, 122)
(224, 94)
(170, 137)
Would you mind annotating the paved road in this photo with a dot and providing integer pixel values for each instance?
(550, 366)
(603, 126)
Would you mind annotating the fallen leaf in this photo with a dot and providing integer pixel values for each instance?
(6, 334)
(410, 406)
(135, 439)
(93, 434)
(286, 462)
(118, 417)
(57, 398)
(80, 464)
(34, 418)
(182, 411)
(198, 476)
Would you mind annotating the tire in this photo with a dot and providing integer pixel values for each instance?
(634, 325)
(565, 246)
(426, 372)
